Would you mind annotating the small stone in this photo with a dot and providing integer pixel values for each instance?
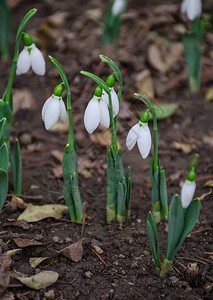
(25, 139)
(174, 280)
(134, 265)
(50, 294)
(34, 187)
(130, 283)
(12, 207)
(88, 274)
(138, 221)
(68, 240)
(77, 294)
(56, 239)
(146, 253)
(98, 249)
(23, 224)
(105, 296)
(111, 291)
(208, 287)
(121, 255)
(90, 233)
(115, 263)
(123, 272)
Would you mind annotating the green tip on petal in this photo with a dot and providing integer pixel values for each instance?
(110, 81)
(58, 90)
(191, 176)
(145, 117)
(27, 39)
(98, 91)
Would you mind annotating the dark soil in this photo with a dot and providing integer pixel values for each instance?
(128, 269)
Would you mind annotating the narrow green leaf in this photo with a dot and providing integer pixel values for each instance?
(154, 177)
(197, 28)
(69, 202)
(111, 187)
(163, 194)
(76, 197)
(153, 239)
(98, 80)
(128, 191)
(3, 187)
(2, 124)
(18, 168)
(175, 227)
(194, 161)
(13, 168)
(4, 158)
(69, 163)
(121, 201)
(5, 28)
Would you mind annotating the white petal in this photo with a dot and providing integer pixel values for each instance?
(92, 115)
(105, 119)
(132, 136)
(63, 111)
(115, 102)
(52, 113)
(105, 98)
(23, 63)
(194, 9)
(187, 193)
(144, 140)
(184, 6)
(37, 61)
(117, 7)
(44, 108)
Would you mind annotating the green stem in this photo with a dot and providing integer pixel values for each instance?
(166, 265)
(155, 130)
(69, 108)
(26, 18)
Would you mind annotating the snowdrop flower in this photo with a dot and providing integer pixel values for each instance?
(193, 8)
(96, 112)
(54, 108)
(118, 7)
(140, 133)
(188, 189)
(114, 97)
(30, 56)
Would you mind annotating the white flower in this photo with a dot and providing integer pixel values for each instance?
(117, 7)
(115, 101)
(96, 113)
(193, 8)
(140, 133)
(30, 56)
(53, 108)
(187, 192)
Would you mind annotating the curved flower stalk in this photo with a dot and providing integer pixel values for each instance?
(96, 112)
(141, 135)
(30, 56)
(56, 107)
(182, 219)
(118, 185)
(157, 173)
(6, 114)
(193, 8)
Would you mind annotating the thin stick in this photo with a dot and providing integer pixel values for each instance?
(119, 230)
(101, 259)
(191, 259)
(209, 261)
(197, 231)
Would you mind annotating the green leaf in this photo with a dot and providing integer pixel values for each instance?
(154, 176)
(175, 227)
(98, 80)
(69, 202)
(164, 110)
(18, 168)
(4, 158)
(76, 197)
(153, 239)
(121, 201)
(194, 161)
(5, 28)
(190, 219)
(3, 174)
(163, 194)
(2, 124)
(197, 28)
(5, 112)
(69, 163)
(128, 191)
(111, 187)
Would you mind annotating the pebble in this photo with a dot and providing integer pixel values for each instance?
(77, 294)
(146, 253)
(25, 139)
(11, 207)
(134, 265)
(88, 274)
(174, 280)
(121, 255)
(56, 239)
(98, 249)
(68, 240)
(50, 294)
(115, 263)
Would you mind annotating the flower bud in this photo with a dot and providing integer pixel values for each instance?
(27, 39)
(98, 91)
(110, 81)
(58, 90)
(145, 117)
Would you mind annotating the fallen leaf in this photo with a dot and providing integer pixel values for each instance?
(23, 99)
(144, 83)
(58, 155)
(4, 273)
(208, 140)
(58, 171)
(203, 196)
(186, 148)
(209, 94)
(35, 261)
(209, 183)
(13, 252)
(73, 252)
(8, 296)
(165, 110)
(22, 243)
(34, 213)
(39, 281)
(20, 202)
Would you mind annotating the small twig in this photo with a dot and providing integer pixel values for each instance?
(83, 223)
(209, 261)
(119, 230)
(63, 220)
(101, 259)
(191, 259)
(106, 244)
(204, 178)
(198, 231)
(176, 269)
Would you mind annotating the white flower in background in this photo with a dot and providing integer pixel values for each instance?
(30, 56)
(188, 189)
(54, 108)
(118, 7)
(115, 101)
(140, 133)
(193, 8)
(96, 112)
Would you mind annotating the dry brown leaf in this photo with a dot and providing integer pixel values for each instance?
(4, 273)
(58, 172)
(40, 280)
(73, 252)
(23, 99)
(58, 155)
(13, 252)
(20, 202)
(208, 140)
(22, 243)
(204, 195)
(209, 183)
(144, 83)
(35, 261)
(186, 148)
(209, 94)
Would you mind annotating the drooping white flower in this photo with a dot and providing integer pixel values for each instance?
(30, 56)
(53, 108)
(187, 192)
(118, 7)
(140, 133)
(115, 101)
(193, 8)
(96, 113)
